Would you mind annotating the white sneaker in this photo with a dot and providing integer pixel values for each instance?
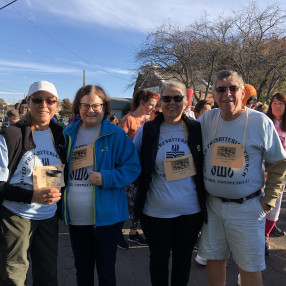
(238, 280)
(200, 260)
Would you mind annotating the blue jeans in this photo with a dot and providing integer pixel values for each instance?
(179, 235)
(95, 246)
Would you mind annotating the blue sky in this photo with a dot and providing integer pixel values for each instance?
(56, 40)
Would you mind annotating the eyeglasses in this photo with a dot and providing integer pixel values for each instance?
(222, 89)
(280, 104)
(86, 107)
(168, 98)
(40, 100)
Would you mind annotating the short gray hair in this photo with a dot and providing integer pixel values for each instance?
(13, 113)
(175, 84)
(226, 74)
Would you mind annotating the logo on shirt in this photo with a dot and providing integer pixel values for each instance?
(222, 172)
(175, 152)
(79, 174)
(45, 161)
(104, 149)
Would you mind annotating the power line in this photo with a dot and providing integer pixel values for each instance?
(8, 4)
(60, 44)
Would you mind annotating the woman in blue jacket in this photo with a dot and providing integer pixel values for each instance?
(102, 160)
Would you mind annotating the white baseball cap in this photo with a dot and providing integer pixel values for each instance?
(43, 85)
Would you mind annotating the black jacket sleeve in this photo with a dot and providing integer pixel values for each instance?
(13, 193)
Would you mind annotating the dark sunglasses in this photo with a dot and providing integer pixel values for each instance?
(168, 98)
(222, 89)
(40, 100)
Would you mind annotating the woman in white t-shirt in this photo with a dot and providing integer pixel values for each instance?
(29, 222)
(170, 200)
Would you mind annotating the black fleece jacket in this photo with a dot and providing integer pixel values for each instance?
(19, 140)
(148, 152)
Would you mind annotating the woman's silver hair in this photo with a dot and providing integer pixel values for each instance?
(175, 84)
(226, 74)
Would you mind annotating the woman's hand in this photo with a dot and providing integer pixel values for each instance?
(96, 178)
(46, 196)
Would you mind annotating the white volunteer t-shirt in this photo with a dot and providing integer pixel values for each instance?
(173, 198)
(261, 143)
(80, 199)
(46, 155)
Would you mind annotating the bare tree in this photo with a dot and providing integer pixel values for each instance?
(251, 41)
(169, 49)
(260, 55)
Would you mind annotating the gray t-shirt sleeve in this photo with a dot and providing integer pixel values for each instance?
(4, 171)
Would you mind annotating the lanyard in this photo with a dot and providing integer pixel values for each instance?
(244, 126)
(95, 133)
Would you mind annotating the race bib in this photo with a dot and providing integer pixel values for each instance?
(179, 168)
(82, 157)
(227, 155)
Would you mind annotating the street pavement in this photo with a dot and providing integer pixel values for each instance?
(132, 264)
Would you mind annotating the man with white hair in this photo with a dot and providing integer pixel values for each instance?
(236, 141)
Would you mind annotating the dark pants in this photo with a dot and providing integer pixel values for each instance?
(20, 236)
(130, 192)
(95, 246)
(164, 235)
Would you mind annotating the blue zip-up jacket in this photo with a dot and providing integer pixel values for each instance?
(117, 159)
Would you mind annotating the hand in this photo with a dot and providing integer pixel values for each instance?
(266, 208)
(46, 196)
(96, 178)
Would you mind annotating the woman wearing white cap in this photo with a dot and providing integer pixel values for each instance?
(30, 152)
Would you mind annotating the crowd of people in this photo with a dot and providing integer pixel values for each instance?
(208, 175)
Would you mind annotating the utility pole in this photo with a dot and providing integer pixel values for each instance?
(83, 77)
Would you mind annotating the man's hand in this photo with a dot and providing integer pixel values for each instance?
(46, 196)
(96, 178)
(266, 208)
